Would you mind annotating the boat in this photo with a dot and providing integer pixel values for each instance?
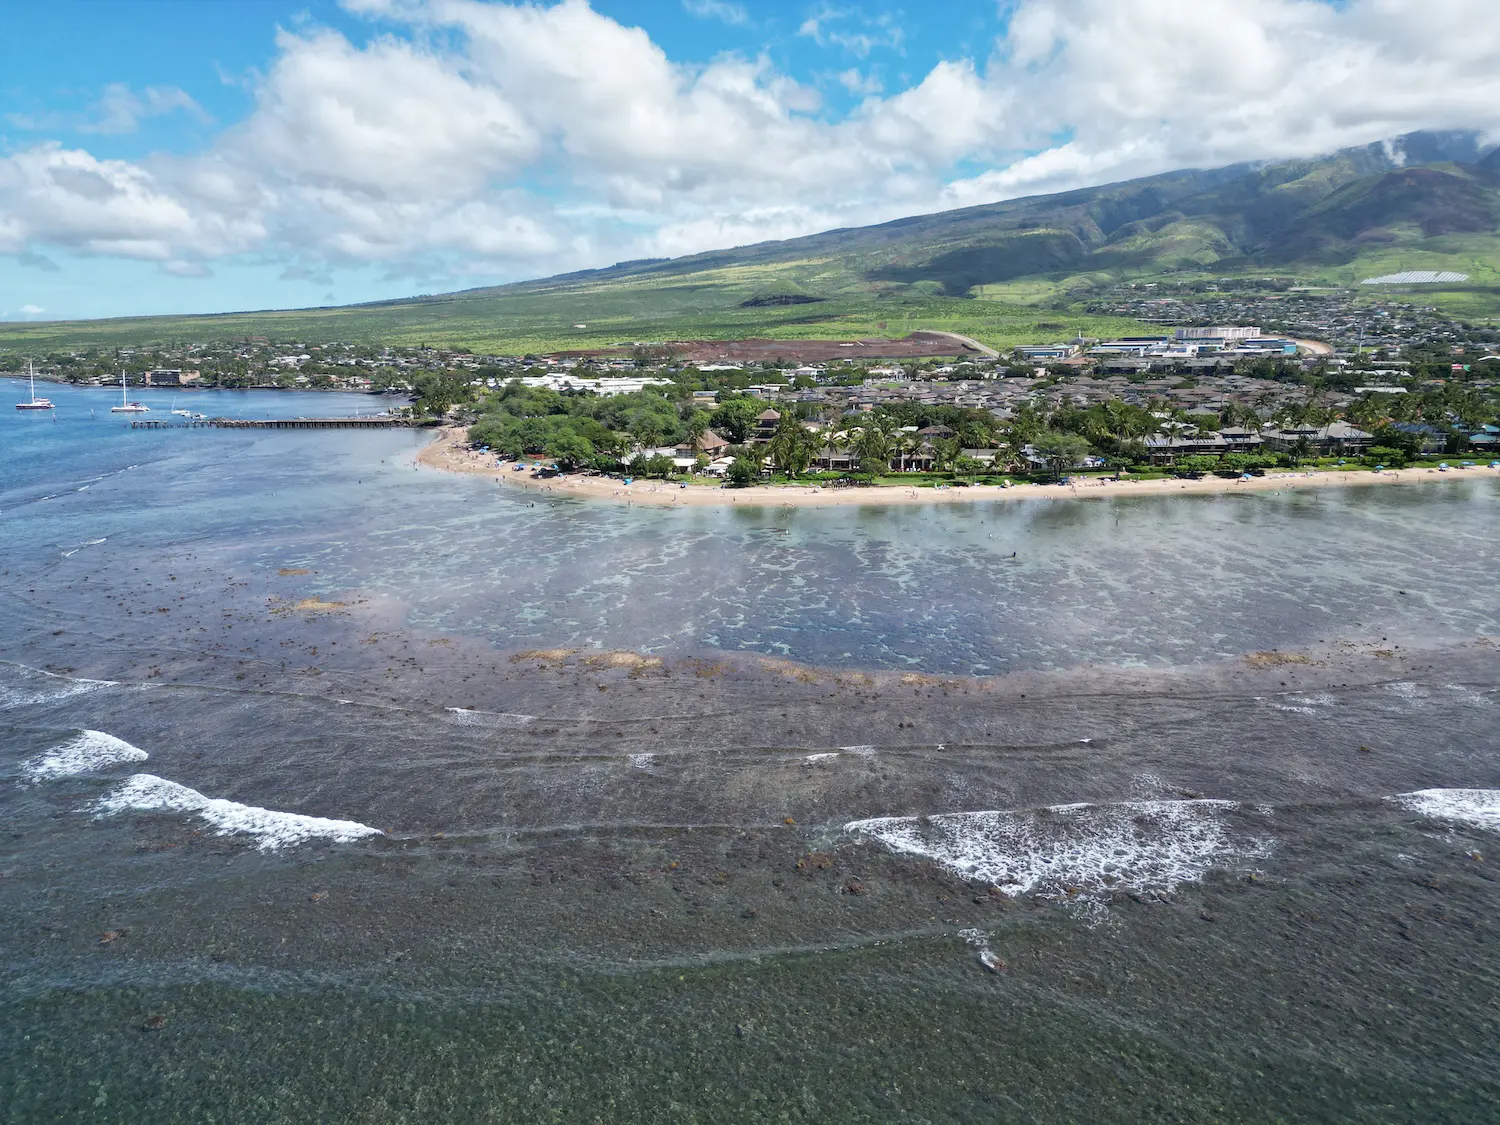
(127, 407)
(35, 403)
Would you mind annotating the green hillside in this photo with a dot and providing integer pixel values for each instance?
(1004, 273)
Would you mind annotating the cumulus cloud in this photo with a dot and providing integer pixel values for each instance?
(504, 139)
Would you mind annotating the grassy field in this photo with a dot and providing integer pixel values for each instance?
(540, 321)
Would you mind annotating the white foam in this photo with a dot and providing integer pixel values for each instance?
(1303, 704)
(469, 717)
(146, 793)
(61, 688)
(87, 752)
(1477, 807)
(827, 755)
(861, 751)
(642, 761)
(1069, 848)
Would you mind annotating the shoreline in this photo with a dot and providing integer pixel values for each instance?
(448, 453)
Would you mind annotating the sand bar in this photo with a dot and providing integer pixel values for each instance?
(449, 452)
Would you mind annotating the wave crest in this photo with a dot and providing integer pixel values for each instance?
(1477, 807)
(271, 829)
(1136, 845)
(89, 751)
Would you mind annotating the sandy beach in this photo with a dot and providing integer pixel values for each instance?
(449, 453)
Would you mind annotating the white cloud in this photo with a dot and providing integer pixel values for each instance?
(830, 26)
(523, 139)
(120, 110)
(392, 118)
(32, 310)
(860, 85)
(67, 197)
(730, 13)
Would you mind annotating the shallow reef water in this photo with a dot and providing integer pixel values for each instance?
(335, 790)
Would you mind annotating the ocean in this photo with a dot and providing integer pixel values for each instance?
(334, 789)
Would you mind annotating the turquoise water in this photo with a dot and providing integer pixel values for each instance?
(1116, 581)
(423, 850)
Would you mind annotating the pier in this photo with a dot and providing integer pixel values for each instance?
(374, 422)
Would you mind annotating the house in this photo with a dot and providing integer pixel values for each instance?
(766, 422)
(1335, 438)
(1486, 439)
(1166, 450)
(710, 444)
(835, 460)
(1430, 439)
(1035, 352)
(171, 377)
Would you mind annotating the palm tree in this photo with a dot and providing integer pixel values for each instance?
(838, 442)
(872, 448)
(944, 453)
(906, 445)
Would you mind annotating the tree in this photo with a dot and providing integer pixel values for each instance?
(944, 453)
(969, 467)
(1060, 451)
(735, 419)
(570, 450)
(905, 446)
(1199, 463)
(871, 448)
(792, 447)
(745, 470)
(1386, 455)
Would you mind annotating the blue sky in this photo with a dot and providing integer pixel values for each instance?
(184, 156)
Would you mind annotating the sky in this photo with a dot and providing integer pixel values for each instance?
(172, 156)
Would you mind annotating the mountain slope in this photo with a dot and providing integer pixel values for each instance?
(1424, 201)
(1328, 210)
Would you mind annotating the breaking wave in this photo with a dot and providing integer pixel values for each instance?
(1135, 845)
(87, 752)
(1477, 807)
(50, 690)
(271, 829)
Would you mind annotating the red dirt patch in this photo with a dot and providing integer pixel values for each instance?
(918, 345)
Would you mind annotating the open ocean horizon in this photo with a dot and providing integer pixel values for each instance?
(336, 789)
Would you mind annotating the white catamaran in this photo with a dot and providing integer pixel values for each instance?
(127, 407)
(35, 403)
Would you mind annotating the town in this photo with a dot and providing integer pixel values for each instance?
(1319, 378)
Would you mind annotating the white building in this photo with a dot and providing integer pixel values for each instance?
(560, 381)
(1223, 332)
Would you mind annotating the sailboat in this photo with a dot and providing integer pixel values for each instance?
(35, 403)
(127, 407)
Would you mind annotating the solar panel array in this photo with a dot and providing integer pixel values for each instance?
(1415, 277)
